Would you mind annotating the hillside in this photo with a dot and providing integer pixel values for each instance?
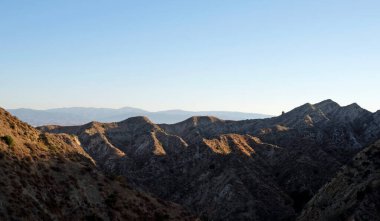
(353, 194)
(50, 177)
(233, 170)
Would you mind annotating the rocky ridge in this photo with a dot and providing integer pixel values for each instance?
(235, 170)
(51, 177)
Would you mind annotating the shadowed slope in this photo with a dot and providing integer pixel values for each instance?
(240, 170)
(351, 195)
(216, 178)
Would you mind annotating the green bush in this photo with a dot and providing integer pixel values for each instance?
(8, 140)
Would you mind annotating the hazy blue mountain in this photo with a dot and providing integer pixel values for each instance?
(82, 115)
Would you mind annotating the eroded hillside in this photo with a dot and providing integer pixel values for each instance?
(265, 169)
(353, 194)
(50, 177)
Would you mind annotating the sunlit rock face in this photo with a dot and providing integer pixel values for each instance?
(265, 169)
(51, 177)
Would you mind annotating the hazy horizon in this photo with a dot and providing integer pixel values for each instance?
(247, 56)
(163, 110)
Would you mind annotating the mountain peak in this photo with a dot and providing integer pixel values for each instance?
(354, 106)
(306, 106)
(196, 120)
(140, 123)
(301, 110)
(327, 106)
(137, 120)
(355, 109)
(327, 102)
(307, 114)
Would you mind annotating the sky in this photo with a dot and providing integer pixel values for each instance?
(251, 56)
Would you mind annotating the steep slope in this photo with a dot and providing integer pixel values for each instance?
(321, 115)
(218, 179)
(196, 128)
(236, 170)
(50, 177)
(136, 138)
(317, 139)
(222, 178)
(354, 194)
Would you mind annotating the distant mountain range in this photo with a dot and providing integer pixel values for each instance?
(81, 115)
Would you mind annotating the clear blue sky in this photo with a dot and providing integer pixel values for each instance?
(254, 56)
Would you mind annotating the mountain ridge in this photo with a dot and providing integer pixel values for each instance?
(239, 170)
(51, 177)
(78, 115)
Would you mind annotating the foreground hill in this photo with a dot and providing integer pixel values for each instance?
(50, 177)
(353, 194)
(264, 169)
(82, 115)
